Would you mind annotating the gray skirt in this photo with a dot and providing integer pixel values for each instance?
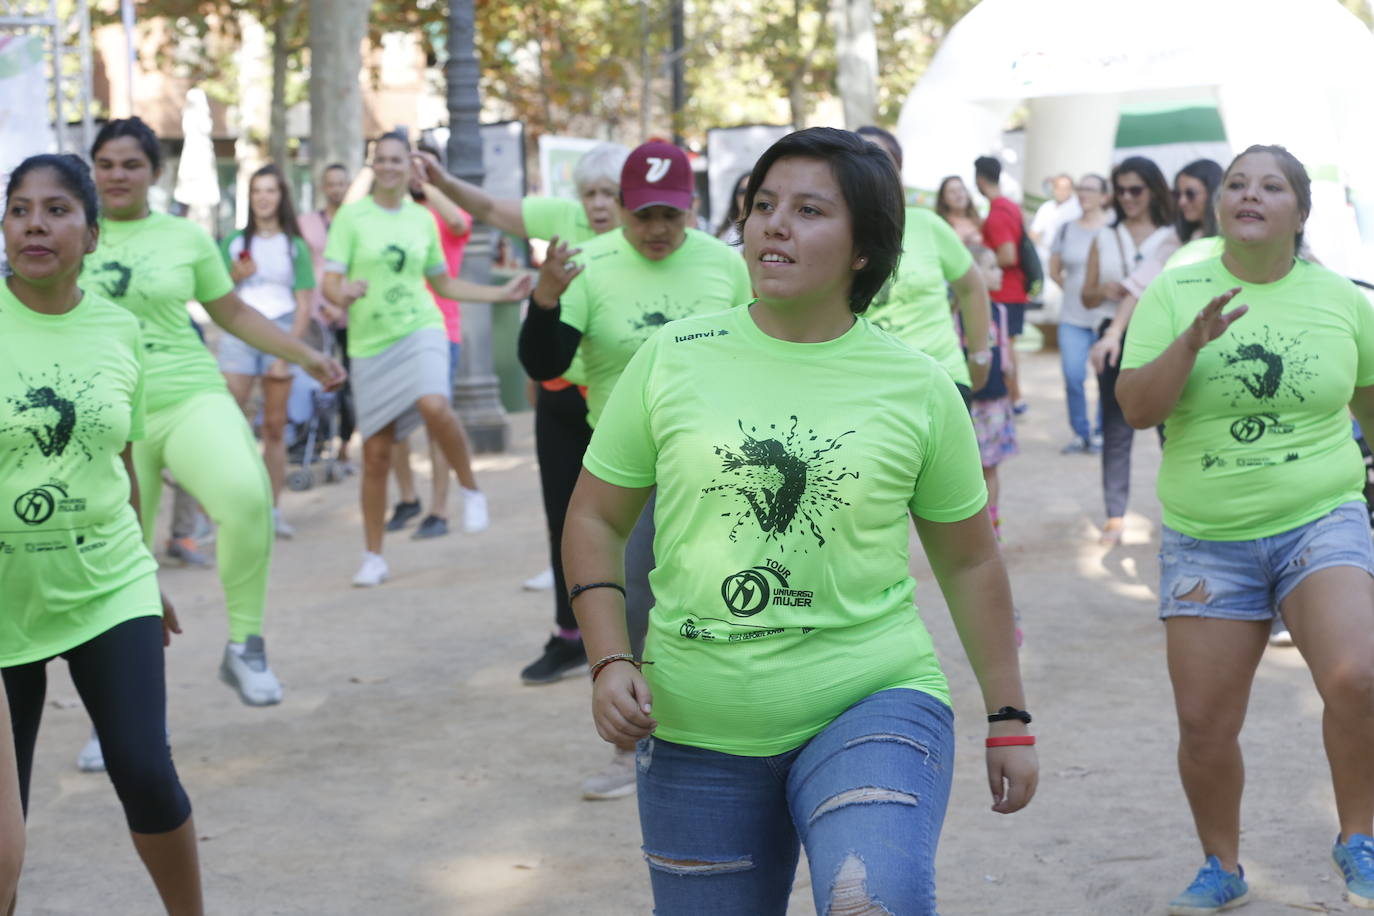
(386, 386)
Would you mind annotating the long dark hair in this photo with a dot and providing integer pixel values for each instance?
(286, 210)
(943, 209)
(1209, 173)
(733, 216)
(872, 191)
(1161, 201)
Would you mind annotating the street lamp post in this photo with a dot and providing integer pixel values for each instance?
(476, 392)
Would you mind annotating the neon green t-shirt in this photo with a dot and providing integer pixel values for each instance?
(153, 267)
(1259, 442)
(394, 251)
(1197, 250)
(915, 308)
(785, 476)
(621, 298)
(72, 559)
(546, 217)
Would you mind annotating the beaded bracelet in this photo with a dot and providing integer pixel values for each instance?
(1011, 741)
(618, 657)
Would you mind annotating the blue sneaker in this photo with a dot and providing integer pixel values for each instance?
(1213, 890)
(1355, 861)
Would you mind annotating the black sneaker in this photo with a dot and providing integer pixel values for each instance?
(431, 526)
(402, 513)
(562, 658)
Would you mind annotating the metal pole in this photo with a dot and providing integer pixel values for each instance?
(60, 121)
(477, 391)
(679, 77)
(84, 26)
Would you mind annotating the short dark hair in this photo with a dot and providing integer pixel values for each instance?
(396, 135)
(72, 173)
(335, 166)
(1209, 173)
(885, 138)
(130, 127)
(1294, 172)
(872, 191)
(1161, 201)
(988, 169)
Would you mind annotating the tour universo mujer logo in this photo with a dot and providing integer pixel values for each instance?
(749, 591)
(36, 506)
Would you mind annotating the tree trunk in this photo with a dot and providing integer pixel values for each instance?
(856, 50)
(284, 18)
(337, 28)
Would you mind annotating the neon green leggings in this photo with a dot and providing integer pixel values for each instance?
(207, 445)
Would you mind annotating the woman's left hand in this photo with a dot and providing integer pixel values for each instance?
(1013, 773)
(325, 370)
(1114, 291)
(170, 624)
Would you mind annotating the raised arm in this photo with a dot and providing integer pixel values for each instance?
(447, 210)
(248, 324)
(502, 212)
(1149, 394)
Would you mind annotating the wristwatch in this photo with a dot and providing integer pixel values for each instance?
(1010, 714)
(981, 358)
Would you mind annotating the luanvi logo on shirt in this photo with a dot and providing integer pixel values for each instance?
(1265, 366)
(395, 257)
(683, 338)
(57, 412)
(782, 479)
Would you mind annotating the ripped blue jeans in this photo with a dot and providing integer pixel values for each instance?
(866, 796)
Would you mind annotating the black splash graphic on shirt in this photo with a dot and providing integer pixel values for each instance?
(1265, 366)
(116, 280)
(395, 258)
(58, 412)
(647, 318)
(782, 480)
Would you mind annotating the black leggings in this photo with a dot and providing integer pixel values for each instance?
(120, 678)
(561, 436)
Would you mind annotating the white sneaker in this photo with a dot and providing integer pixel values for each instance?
(540, 583)
(1281, 637)
(92, 758)
(283, 530)
(475, 517)
(245, 669)
(373, 571)
(616, 781)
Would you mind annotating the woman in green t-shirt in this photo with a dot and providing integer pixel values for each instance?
(796, 697)
(1262, 490)
(79, 581)
(153, 264)
(380, 252)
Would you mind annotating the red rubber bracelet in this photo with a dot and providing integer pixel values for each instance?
(1011, 741)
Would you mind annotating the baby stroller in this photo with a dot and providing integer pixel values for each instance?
(312, 426)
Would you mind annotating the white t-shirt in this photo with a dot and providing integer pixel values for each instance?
(1072, 243)
(278, 258)
(1120, 260)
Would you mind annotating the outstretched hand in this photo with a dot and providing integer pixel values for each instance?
(1211, 323)
(325, 369)
(426, 167)
(556, 273)
(1105, 352)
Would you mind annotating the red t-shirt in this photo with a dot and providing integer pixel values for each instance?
(453, 246)
(1003, 225)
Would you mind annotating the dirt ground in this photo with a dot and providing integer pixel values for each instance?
(409, 772)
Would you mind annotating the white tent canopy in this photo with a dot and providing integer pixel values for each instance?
(1294, 72)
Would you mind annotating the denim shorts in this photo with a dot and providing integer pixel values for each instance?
(866, 796)
(238, 358)
(1248, 580)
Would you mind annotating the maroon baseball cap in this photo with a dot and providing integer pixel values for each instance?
(656, 173)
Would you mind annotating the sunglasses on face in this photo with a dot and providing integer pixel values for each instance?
(1130, 190)
(1189, 194)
